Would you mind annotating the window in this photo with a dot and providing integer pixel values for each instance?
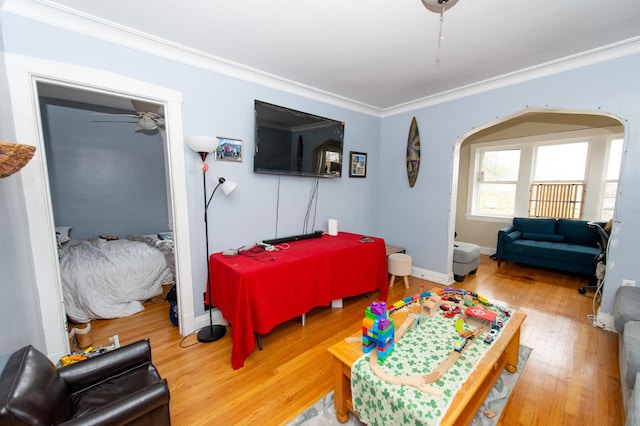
(573, 176)
(497, 182)
(552, 164)
(558, 185)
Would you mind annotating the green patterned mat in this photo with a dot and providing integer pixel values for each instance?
(323, 411)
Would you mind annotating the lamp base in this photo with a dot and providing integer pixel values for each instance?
(211, 333)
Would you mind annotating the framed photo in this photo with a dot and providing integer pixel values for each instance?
(357, 164)
(229, 150)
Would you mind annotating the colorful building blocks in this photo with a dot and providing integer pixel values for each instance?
(378, 330)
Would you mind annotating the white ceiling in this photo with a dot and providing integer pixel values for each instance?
(378, 53)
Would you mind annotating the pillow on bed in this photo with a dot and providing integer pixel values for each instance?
(62, 234)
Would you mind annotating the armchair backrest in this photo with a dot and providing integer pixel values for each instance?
(31, 391)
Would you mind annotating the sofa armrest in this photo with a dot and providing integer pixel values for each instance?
(126, 411)
(87, 373)
(505, 235)
(512, 236)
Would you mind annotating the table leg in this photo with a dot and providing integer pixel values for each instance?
(258, 341)
(341, 391)
(512, 351)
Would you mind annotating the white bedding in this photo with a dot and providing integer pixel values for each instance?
(109, 279)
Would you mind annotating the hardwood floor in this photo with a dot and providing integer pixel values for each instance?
(571, 378)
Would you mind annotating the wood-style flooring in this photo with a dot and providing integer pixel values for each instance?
(571, 378)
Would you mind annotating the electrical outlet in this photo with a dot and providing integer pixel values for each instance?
(628, 283)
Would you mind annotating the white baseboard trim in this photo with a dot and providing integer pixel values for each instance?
(203, 320)
(489, 251)
(437, 277)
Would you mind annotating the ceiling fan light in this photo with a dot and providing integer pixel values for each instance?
(437, 6)
(146, 123)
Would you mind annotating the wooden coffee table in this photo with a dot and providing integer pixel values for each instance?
(502, 355)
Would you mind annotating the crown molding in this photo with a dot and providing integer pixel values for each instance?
(62, 17)
(59, 16)
(606, 53)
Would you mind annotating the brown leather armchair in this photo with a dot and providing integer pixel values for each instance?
(121, 387)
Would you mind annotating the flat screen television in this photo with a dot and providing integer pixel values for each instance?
(290, 142)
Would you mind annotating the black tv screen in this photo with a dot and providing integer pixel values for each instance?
(293, 142)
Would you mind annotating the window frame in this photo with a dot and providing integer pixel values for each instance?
(599, 142)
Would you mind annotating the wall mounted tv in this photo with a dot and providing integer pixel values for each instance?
(291, 142)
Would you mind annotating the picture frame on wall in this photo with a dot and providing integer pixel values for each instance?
(229, 149)
(357, 164)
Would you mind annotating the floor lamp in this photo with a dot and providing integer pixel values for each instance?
(205, 145)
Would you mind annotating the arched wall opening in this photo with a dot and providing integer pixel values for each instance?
(529, 125)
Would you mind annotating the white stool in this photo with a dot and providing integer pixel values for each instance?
(399, 266)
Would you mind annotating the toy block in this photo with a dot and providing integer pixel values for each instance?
(378, 308)
(384, 323)
(368, 323)
(368, 348)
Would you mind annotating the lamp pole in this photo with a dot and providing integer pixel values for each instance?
(212, 332)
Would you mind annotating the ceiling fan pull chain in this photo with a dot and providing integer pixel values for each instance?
(441, 33)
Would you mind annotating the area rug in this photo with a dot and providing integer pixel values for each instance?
(323, 412)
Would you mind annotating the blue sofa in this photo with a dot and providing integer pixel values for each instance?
(563, 244)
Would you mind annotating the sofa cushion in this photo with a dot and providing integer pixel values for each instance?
(569, 253)
(512, 236)
(626, 306)
(578, 232)
(633, 407)
(538, 226)
(631, 338)
(31, 392)
(465, 252)
(554, 238)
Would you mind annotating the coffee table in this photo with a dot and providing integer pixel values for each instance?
(502, 355)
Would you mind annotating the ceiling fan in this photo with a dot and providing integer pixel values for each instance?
(147, 114)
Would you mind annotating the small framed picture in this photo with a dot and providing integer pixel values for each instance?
(229, 150)
(358, 164)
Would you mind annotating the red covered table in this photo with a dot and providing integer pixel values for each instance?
(256, 292)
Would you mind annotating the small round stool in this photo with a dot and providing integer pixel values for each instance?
(399, 266)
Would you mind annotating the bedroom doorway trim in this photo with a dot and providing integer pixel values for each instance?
(23, 74)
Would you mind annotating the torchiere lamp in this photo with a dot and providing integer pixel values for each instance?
(204, 145)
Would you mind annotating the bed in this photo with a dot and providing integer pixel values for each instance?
(103, 279)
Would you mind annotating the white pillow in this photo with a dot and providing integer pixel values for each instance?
(62, 234)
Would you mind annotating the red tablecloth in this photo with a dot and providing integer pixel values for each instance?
(256, 292)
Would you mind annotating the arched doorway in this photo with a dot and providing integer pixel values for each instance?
(531, 127)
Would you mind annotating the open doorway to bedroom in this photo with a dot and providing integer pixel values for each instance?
(109, 186)
(24, 74)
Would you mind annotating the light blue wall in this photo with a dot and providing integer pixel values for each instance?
(104, 177)
(382, 204)
(21, 319)
(217, 105)
(611, 87)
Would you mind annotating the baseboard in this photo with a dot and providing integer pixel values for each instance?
(489, 251)
(425, 274)
(216, 315)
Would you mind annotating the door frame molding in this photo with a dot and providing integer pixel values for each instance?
(23, 75)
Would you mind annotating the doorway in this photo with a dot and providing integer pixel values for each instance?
(24, 74)
(110, 194)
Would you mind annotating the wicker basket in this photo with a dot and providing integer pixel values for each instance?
(13, 157)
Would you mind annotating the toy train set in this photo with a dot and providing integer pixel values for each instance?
(379, 335)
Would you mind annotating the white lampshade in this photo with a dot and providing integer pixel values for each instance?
(436, 5)
(201, 143)
(228, 186)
